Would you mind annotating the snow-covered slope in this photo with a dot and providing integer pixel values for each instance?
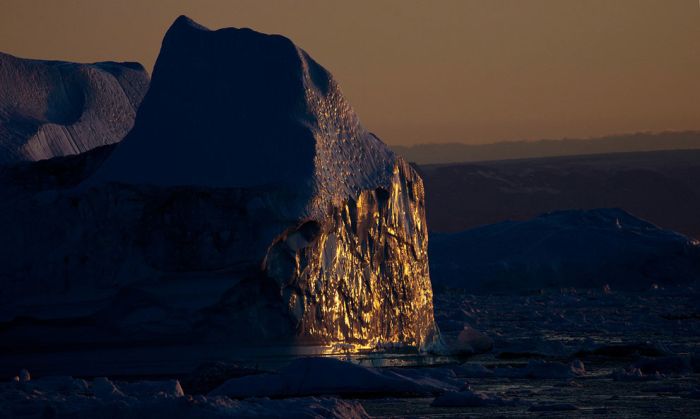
(55, 108)
(572, 248)
(248, 204)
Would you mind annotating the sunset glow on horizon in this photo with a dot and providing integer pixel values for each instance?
(426, 72)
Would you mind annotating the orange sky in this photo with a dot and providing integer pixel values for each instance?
(431, 71)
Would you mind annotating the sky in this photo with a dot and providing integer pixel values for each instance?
(429, 71)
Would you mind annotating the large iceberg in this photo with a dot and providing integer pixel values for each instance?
(247, 204)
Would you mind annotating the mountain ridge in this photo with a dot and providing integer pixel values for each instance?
(455, 152)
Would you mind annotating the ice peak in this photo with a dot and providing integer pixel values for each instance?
(183, 21)
(238, 108)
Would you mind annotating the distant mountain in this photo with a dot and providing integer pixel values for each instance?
(57, 108)
(573, 248)
(660, 186)
(457, 152)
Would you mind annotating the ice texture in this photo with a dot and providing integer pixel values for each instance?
(56, 108)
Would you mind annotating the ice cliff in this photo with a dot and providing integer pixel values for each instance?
(56, 108)
(247, 204)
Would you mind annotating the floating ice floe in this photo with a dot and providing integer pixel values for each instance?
(328, 376)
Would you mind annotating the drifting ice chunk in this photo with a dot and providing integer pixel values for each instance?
(328, 376)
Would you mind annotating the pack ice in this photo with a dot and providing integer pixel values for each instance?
(57, 108)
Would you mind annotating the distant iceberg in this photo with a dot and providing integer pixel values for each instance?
(572, 248)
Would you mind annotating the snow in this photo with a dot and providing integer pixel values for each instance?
(54, 108)
(572, 248)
